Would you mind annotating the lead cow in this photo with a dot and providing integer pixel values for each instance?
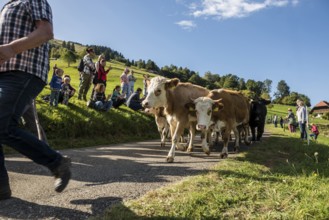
(173, 96)
(225, 110)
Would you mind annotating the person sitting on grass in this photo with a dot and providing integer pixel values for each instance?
(117, 98)
(134, 101)
(100, 99)
(315, 131)
(67, 79)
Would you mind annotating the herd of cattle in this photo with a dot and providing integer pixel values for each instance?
(178, 106)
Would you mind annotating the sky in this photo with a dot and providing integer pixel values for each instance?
(253, 39)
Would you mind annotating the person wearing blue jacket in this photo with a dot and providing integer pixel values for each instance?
(134, 101)
(55, 87)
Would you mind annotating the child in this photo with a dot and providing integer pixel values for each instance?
(117, 98)
(315, 131)
(55, 87)
(100, 99)
(66, 91)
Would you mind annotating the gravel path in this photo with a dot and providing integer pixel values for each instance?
(102, 176)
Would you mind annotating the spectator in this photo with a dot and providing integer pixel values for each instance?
(134, 101)
(275, 120)
(101, 75)
(25, 28)
(95, 79)
(315, 132)
(281, 122)
(302, 118)
(72, 90)
(86, 76)
(98, 63)
(131, 79)
(100, 99)
(65, 90)
(146, 82)
(117, 98)
(55, 87)
(291, 121)
(125, 83)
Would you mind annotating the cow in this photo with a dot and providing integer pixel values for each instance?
(173, 96)
(258, 113)
(161, 122)
(225, 110)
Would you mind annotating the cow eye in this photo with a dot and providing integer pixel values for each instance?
(209, 112)
(157, 92)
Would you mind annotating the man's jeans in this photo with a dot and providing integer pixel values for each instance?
(302, 127)
(17, 89)
(125, 89)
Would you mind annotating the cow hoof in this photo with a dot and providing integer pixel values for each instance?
(189, 150)
(223, 155)
(163, 144)
(207, 153)
(236, 150)
(247, 143)
(170, 159)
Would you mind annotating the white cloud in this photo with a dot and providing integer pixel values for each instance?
(224, 9)
(186, 24)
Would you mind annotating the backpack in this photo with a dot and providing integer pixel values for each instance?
(81, 66)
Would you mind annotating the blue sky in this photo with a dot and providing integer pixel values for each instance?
(253, 39)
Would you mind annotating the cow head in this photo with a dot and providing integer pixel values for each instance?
(204, 107)
(157, 92)
(258, 110)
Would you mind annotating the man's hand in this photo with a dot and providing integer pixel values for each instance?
(6, 52)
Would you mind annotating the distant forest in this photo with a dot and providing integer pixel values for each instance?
(251, 88)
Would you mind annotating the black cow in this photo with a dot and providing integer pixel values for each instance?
(257, 119)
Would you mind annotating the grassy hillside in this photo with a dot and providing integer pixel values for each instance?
(280, 178)
(76, 125)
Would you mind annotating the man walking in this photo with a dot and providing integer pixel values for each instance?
(25, 28)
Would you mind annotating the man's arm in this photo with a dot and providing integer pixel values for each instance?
(40, 35)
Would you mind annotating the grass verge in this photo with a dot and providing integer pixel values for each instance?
(279, 178)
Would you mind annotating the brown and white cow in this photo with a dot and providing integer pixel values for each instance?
(161, 122)
(225, 110)
(173, 96)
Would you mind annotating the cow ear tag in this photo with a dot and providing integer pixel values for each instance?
(216, 109)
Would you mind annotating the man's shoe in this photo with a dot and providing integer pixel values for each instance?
(5, 192)
(62, 174)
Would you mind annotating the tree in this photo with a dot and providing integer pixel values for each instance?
(282, 90)
(267, 86)
(68, 56)
(197, 80)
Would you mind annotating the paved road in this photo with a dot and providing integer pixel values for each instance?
(102, 176)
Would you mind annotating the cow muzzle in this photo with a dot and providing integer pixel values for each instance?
(201, 127)
(145, 104)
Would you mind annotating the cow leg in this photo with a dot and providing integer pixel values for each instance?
(210, 139)
(163, 137)
(175, 140)
(260, 131)
(192, 135)
(204, 143)
(237, 139)
(253, 133)
(247, 133)
(226, 138)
